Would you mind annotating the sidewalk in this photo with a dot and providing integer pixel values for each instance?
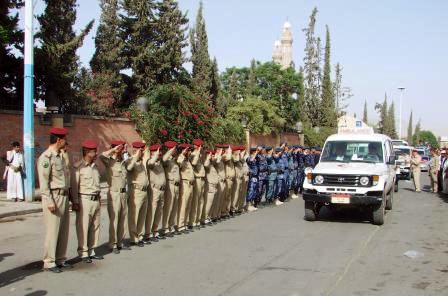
(9, 208)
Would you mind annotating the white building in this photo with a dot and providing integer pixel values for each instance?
(282, 54)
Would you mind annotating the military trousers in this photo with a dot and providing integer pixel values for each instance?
(88, 226)
(416, 177)
(170, 205)
(253, 189)
(56, 230)
(271, 190)
(228, 197)
(434, 181)
(262, 188)
(186, 194)
(117, 208)
(199, 201)
(236, 193)
(138, 206)
(282, 189)
(155, 210)
(243, 192)
(211, 190)
(219, 199)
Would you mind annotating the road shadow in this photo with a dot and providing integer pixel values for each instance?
(443, 197)
(4, 255)
(37, 293)
(344, 215)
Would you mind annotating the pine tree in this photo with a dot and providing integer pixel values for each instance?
(365, 117)
(410, 127)
(383, 124)
(417, 131)
(329, 116)
(392, 122)
(11, 71)
(170, 26)
(312, 72)
(200, 56)
(137, 26)
(216, 84)
(107, 61)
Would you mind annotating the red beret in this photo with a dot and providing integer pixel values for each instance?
(90, 144)
(155, 147)
(170, 144)
(117, 142)
(138, 144)
(58, 131)
(209, 151)
(184, 145)
(198, 142)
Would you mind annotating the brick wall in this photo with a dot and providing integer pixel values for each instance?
(82, 127)
(274, 140)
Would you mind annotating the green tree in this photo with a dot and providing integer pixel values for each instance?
(383, 123)
(312, 73)
(252, 79)
(58, 62)
(107, 86)
(215, 89)
(137, 26)
(365, 117)
(11, 70)
(200, 56)
(391, 122)
(329, 112)
(416, 139)
(427, 137)
(410, 127)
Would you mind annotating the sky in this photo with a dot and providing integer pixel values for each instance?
(381, 44)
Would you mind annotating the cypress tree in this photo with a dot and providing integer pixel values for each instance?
(11, 70)
(417, 134)
(329, 117)
(107, 61)
(391, 122)
(137, 25)
(365, 117)
(383, 124)
(170, 28)
(215, 84)
(252, 79)
(58, 63)
(410, 127)
(200, 56)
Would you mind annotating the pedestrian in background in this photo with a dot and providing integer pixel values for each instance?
(14, 173)
(415, 169)
(434, 166)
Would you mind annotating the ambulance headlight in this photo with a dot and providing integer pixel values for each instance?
(318, 180)
(364, 181)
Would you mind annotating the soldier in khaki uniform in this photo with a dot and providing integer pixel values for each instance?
(157, 184)
(230, 179)
(415, 168)
(434, 166)
(117, 197)
(186, 187)
(211, 187)
(221, 170)
(172, 173)
(237, 180)
(86, 193)
(138, 194)
(245, 182)
(54, 181)
(198, 201)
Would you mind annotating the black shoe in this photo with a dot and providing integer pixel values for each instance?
(87, 260)
(141, 244)
(185, 231)
(125, 248)
(190, 228)
(53, 269)
(65, 266)
(161, 237)
(116, 251)
(170, 234)
(147, 241)
(154, 239)
(177, 232)
(96, 257)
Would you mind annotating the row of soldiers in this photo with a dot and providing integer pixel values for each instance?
(159, 191)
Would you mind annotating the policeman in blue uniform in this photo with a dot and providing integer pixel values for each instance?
(308, 158)
(262, 173)
(281, 177)
(253, 191)
(301, 168)
(294, 164)
(285, 156)
(271, 188)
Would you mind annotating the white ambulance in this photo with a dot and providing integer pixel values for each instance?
(357, 168)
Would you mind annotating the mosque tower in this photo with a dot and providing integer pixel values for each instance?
(283, 48)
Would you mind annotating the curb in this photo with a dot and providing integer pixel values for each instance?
(20, 213)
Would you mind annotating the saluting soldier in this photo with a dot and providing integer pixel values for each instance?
(222, 188)
(238, 180)
(280, 193)
(253, 179)
(117, 197)
(138, 194)
(186, 187)
(211, 187)
(271, 189)
(157, 181)
(170, 205)
(293, 178)
(262, 174)
(230, 180)
(86, 191)
(245, 181)
(54, 181)
(198, 200)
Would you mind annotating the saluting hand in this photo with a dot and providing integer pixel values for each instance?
(52, 208)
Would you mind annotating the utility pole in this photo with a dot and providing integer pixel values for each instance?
(28, 102)
(401, 89)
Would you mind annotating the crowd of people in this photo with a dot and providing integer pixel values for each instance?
(159, 190)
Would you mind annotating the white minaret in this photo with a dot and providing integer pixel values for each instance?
(277, 55)
(286, 42)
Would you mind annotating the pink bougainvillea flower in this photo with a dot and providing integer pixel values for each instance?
(164, 132)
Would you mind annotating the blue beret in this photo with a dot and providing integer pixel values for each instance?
(253, 149)
(268, 148)
(278, 149)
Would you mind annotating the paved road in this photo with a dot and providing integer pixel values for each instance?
(270, 252)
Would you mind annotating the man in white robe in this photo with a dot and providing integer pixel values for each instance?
(14, 173)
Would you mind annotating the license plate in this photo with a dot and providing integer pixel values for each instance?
(340, 198)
